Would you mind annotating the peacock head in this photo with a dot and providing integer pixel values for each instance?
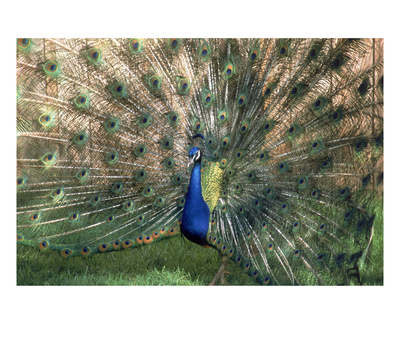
(194, 155)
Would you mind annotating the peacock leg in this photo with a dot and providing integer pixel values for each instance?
(220, 276)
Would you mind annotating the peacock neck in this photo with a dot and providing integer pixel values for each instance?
(195, 219)
(194, 191)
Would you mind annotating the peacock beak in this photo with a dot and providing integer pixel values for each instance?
(191, 161)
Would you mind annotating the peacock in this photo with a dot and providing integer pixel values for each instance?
(269, 151)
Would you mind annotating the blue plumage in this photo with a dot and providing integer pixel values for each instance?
(195, 218)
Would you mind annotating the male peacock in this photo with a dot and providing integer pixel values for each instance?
(268, 150)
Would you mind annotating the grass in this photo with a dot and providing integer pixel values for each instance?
(169, 262)
(172, 261)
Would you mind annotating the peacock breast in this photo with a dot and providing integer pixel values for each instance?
(211, 184)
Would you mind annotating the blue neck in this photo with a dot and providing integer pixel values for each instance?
(196, 214)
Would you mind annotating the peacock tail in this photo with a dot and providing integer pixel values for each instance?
(290, 133)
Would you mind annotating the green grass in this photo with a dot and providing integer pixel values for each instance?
(169, 262)
(172, 261)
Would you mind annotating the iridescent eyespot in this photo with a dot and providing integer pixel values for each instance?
(283, 167)
(117, 187)
(118, 90)
(167, 143)
(21, 182)
(177, 179)
(155, 83)
(174, 43)
(148, 239)
(112, 125)
(296, 226)
(95, 200)
(183, 86)
(43, 245)
(103, 247)
(241, 101)
(73, 217)
(366, 180)
(112, 158)
(128, 205)
(224, 163)
(168, 162)
(66, 253)
(251, 176)
(239, 154)
(225, 142)
(229, 70)
(207, 98)
(94, 56)
(127, 243)
(51, 68)
(181, 202)
(81, 138)
(238, 188)
(264, 156)
(110, 218)
(147, 191)
(197, 126)
(269, 90)
(173, 118)
(204, 52)
(244, 127)
(46, 120)
(141, 175)
(238, 260)
(253, 55)
(230, 171)
(264, 226)
(49, 159)
(338, 61)
(23, 43)
(222, 116)
(315, 194)
(81, 101)
(57, 193)
(85, 251)
(135, 45)
(322, 228)
(284, 208)
(344, 193)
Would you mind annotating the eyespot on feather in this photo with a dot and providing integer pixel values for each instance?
(126, 244)
(51, 69)
(103, 247)
(43, 245)
(81, 102)
(66, 253)
(135, 45)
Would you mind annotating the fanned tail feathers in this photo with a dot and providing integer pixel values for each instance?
(293, 147)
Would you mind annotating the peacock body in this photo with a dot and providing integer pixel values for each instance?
(268, 150)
